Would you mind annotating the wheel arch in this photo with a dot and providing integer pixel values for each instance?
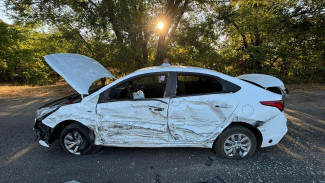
(60, 126)
(256, 132)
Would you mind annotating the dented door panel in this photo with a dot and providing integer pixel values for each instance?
(199, 117)
(133, 122)
(182, 121)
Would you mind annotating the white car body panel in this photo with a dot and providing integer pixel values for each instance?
(200, 118)
(78, 70)
(266, 81)
(273, 129)
(192, 121)
(134, 122)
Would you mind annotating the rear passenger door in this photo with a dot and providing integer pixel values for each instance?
(199, 106)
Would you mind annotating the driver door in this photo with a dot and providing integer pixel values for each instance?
(125, 121)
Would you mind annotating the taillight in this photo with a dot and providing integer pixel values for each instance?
(278, 104)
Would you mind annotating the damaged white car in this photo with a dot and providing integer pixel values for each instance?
(160, 107)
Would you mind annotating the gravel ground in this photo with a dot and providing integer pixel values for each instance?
(300, 157)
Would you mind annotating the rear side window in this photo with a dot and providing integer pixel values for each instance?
(275, 90)
(190, 84)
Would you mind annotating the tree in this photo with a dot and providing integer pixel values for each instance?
(284, 38)
(273, 36)
(21, 54)
(173, 12)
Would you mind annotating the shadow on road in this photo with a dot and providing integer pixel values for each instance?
(300, 157)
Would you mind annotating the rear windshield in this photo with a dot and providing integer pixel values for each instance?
(252, 83)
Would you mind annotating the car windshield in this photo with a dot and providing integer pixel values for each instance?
(100, 83)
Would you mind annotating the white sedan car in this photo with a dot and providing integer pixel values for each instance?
(160, 107)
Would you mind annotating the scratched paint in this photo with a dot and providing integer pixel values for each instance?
(193, 121)
(184, 121)
(196, 117)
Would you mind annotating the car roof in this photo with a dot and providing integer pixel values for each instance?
(174, 69)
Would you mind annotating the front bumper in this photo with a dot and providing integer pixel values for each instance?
(273, 130)
(43, 133)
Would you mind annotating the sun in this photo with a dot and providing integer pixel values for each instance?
(160, 25)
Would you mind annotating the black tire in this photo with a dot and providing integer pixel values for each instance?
(220, 145)
(84, 147)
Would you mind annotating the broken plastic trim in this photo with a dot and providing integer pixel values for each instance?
(42, 131)
(43, 143)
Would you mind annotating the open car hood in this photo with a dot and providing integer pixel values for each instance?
(262, 80)
(78, 70)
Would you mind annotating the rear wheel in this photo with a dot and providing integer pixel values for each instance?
(75, 139)
(236, 142)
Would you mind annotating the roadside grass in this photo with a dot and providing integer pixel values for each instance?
(61, 88)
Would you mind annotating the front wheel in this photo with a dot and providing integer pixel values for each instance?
(236, 142)
(75, 139)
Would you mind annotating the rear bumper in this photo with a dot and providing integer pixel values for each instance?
(43, 133)
(273, 130)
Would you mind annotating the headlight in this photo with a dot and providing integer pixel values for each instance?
(46, 110)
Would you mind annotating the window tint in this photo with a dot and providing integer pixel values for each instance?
(149, 86)
(152, 86)
(120, 92)
(197, 84)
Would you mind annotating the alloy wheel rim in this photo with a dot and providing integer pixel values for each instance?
(237, 144)
(72, 142)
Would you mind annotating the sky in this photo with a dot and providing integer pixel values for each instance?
(3, 13)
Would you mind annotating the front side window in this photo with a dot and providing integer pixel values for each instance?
(148, 86)
(152, 86)
(191, 84)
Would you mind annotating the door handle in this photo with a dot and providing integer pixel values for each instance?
(221, 106)
(159, 109)
(156, 108)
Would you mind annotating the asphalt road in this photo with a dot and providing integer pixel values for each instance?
(300, 157)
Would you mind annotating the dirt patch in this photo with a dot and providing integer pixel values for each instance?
(307, 86)
(59, 89)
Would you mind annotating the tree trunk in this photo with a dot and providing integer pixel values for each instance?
(145, 52)
(161, 50)
(173, 14)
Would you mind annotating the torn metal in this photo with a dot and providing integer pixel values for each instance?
(185, 121)
(267, 82)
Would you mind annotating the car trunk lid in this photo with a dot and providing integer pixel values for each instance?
(262, 80)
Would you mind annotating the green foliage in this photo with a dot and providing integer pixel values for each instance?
(21, 54)
(284, 38)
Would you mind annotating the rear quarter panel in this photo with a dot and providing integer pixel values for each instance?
(249, 109)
